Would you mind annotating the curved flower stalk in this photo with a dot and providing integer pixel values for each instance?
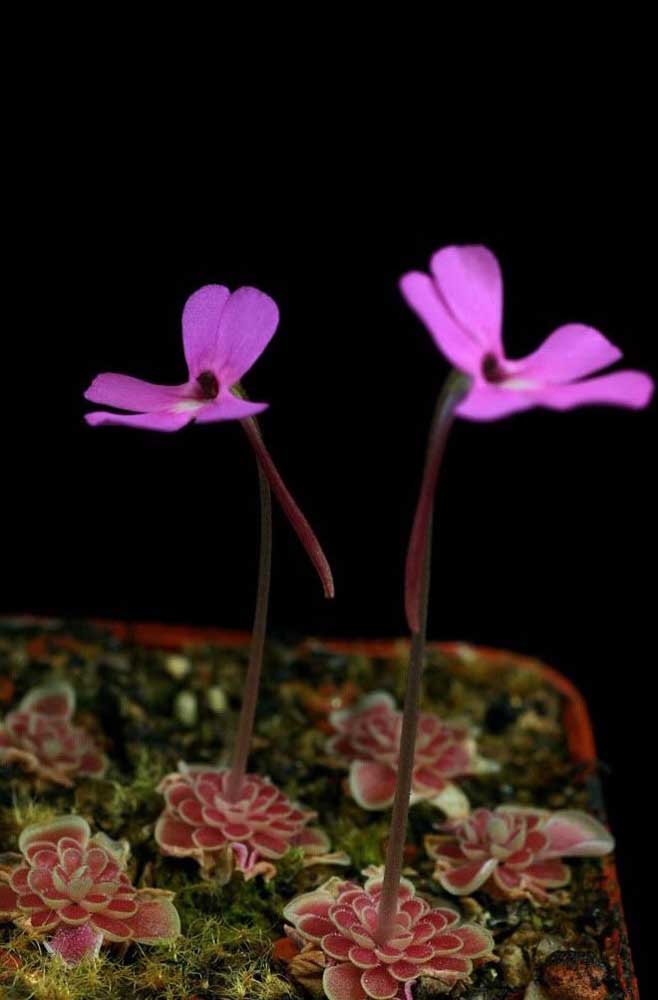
(224, 333)
(461, 304)
(74, 889)
(248, 833)
(341, 918)
(40, 737)
(368, 737)
(515, 851)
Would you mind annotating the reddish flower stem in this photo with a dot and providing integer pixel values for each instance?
(455, 388)
(252, 681)
(299, 523)
(419, 560)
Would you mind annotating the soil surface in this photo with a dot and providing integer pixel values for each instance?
(150, 708)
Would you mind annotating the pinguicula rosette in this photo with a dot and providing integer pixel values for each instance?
(368, 736)
(515, 851)
(40, 737)
(341, 918)
(248, 833)
(74, 888)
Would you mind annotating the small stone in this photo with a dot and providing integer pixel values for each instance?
(186, 708)
(574, 975)
(177, 666)
(217, 701)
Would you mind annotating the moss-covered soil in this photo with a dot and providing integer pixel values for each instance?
(151, 708)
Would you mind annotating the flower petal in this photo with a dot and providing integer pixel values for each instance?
(156, 920)
(632, 389)
(459, 347)
(164, 421)
(570, 352)
(471, 285)
(343, 982)
(228, 407)
(465, 879)
(246, 326)
(201, 316)
(372, 784)
(128, 393)
(72, 944)
(490, 402)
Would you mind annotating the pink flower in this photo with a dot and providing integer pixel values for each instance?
(341, 918)
(76, 889)
(199, 822)
(369, 737)
(514, 850)
(40, 737)
(223, 334)
(461, 304)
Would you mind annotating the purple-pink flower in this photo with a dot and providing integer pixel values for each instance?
(514, 851)
(461, 303)
(223, 334)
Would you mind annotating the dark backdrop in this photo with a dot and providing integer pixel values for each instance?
(544, 540)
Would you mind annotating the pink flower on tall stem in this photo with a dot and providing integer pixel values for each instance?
(74, 888)
(40, 737)
(514, 851)
(461, 304)
(251, 832)
(368, 737)
(223, 335)
(341, 918)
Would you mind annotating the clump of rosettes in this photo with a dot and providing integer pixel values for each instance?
(40, 737)
(515, 851)
(368, 737)
(249, 833)
(341, 918)
(75, 888)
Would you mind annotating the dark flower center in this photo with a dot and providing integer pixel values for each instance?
(491, 369)
(209, 385)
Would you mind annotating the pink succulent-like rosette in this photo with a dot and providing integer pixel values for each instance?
(515, 851)
(249, 833)
(341, 918)
(74, 888)
(40, 736)
(368, 737)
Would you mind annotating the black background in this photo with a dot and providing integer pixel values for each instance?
(544, 537)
